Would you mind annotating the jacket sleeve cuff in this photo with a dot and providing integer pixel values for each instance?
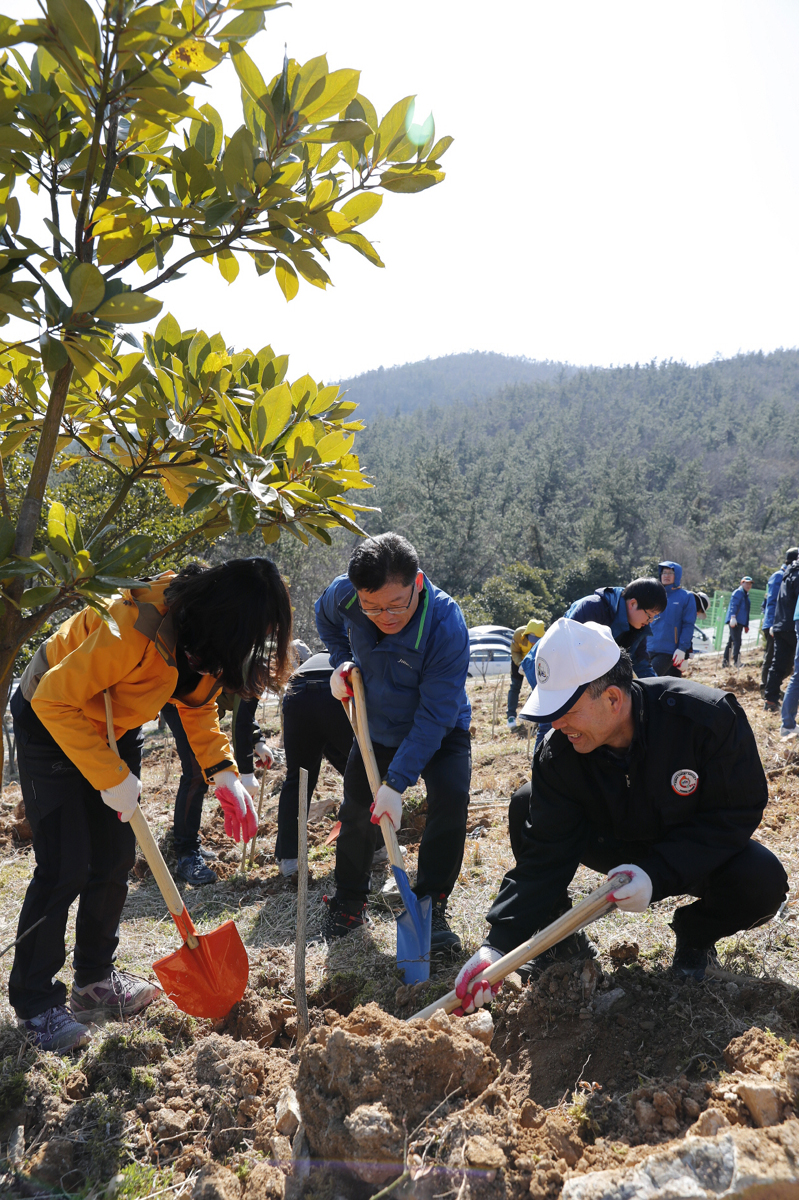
(226, 764)
(398, 782)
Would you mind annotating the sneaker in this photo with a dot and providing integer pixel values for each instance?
(442, 939)
(787, 733)
(691, 962)
(340, 918)
(770, 706)
(56, 1030)
(288, 867)
(577, 947)
(192, 867)
(513, 723)
(119, 996)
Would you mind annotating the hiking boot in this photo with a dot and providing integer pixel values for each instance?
(56, 1030)
(577, 947)
(691, 962)
(118, 997)
(442, 938)
(770, 706)
(288, 867)
(341, 917)
(192, 867)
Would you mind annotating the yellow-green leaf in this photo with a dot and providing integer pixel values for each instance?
(237, 163)
(228, 264)
(86, 287)
(129, 308)
(340, 87)
(287, 278)
(334, 445)
(362, 207)
(78, 24)
(391, 130)
(362, 245)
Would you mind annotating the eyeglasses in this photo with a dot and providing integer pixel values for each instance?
(652, 616)
(393, 611)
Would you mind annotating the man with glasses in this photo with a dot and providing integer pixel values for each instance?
(410, 641)
(673, 631)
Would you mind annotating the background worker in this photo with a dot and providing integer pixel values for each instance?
(783, 633)
(627, 612)
(523, 641)
(738, 620)
(181, 637)
(657, 777)
(791, 702)
(410, 641)
(673, 630)
(769, 610)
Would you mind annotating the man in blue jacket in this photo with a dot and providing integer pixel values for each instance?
(410, 641)
(673, 630)
(738, 620)
(783, 633)
(769, 611)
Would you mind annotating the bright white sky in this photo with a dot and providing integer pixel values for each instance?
(624, 185)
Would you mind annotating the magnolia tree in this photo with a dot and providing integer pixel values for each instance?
(100, 130)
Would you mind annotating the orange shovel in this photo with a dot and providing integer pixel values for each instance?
(209, 973)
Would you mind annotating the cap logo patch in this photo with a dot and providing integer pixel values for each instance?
(684, 782)
(541, 669)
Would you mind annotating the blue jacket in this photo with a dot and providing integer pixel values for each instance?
(606, 607)
(414, 680)
(772, 592)
(738, 607)
(674, 628)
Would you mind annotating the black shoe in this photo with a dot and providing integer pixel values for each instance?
(442, 938)
(691, 962)
(576, 947)
(341, 918)
(192, 868)
(770, 706)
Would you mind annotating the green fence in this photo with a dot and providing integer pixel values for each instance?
(713, 621)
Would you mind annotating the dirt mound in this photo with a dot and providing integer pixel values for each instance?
(260, 1021)
(366, 1080)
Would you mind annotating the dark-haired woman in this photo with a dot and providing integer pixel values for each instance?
(181, 638)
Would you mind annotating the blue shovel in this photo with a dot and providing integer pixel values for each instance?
(413, 926)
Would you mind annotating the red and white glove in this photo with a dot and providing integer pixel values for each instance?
(240, 819)
(123, 796)
(340, 681)
(471, 989)
(635, 895)
(678, 657)
(733, 622)
(389, 802)
(249, 782)
(263, 754)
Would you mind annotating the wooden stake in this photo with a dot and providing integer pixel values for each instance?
(260, 809)
(302, 910)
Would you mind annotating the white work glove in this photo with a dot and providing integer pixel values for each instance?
(123, 796)
(678, 657)
(263, 754)
(340, 681)
(635, 895)
(248, 781)
(733, 622)
(240, 818)
(389, 802)
(470, 988)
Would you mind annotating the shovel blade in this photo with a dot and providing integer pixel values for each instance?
(413, 931)
(208, 980)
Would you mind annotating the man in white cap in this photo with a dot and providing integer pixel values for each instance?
(657, 777)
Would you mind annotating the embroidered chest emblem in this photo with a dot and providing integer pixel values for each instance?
(684, 782)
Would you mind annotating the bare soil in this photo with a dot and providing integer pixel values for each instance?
(586, 1069)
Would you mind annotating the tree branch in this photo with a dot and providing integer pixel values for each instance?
(31, 507)
(185, 537)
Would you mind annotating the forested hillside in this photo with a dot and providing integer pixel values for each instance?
(548, 489)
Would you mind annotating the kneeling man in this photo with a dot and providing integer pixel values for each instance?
(658, 777)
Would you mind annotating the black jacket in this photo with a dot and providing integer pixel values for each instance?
(684, 825)
(786, 601)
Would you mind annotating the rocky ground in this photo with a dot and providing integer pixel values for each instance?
(591, 1083)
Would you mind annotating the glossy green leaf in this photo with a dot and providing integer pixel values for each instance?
(54, 356)
(207, 135)
(78, 24)
(237, 163)
(129, 308)
(86, 287)
(38, 596)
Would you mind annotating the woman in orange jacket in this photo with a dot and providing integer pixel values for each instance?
(178, 637)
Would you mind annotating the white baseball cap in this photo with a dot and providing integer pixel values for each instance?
(569, 657)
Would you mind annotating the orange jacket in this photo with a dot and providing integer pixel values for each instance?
(67, 676)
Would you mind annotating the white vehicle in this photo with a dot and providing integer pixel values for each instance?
(702, 642)
(491, 633)
(488, 658)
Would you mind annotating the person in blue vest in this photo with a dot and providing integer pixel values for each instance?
(738, 620)
(628, 612)
(410, 641)
(769, 609)
(672, 631)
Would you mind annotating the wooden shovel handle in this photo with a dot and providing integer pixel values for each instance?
(595, 905)
(356, 711)
(149, 846)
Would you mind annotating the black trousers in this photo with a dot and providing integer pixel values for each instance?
(515, 689)
(781, 663)
(768, 655)
(191, 788)
(662, 664)
(447, 777)
(733, 645)
(315, 726)
(81, 849)
(745, 891)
